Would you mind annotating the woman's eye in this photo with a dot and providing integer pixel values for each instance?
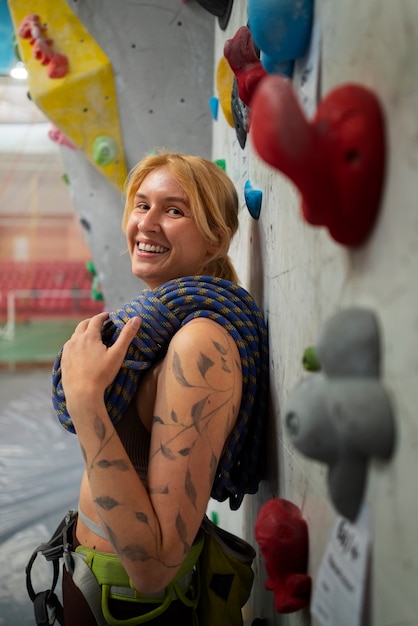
(175, 211)
(141, 207)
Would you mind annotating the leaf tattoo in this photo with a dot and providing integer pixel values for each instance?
(167, 452)
(107, 503)
(141, 517)
(190, 488)
(182, 532)
(204, 364)
(225, 366)
(135, 552)
(112, 537)
(99, 428)
(213, 466)
(104, 464)
(197, 410)
(119, 464)
(178, 371)
(220, 348)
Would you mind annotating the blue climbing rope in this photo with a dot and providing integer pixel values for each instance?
(163, 311)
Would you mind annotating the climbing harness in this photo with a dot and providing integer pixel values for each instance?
(115, 584)
(47, 606)
(215, 579)
(163, 312)
(101, 577)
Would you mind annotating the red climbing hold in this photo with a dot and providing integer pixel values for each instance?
(282, 534)
(337, 160)
(246, 65)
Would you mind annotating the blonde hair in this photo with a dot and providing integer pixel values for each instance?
(212, 196)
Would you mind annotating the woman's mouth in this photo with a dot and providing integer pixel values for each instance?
(147, 247)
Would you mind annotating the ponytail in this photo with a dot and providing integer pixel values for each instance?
(223, 268)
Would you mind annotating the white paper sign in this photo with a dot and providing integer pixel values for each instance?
(339, 592)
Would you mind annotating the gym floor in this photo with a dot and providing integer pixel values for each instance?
(40, 463)
(33, 344)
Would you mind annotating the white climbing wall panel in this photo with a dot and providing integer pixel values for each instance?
(302, 278)
(162, 60)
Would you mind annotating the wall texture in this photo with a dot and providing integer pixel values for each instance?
(302, 277)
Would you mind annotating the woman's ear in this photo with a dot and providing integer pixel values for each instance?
(214, 252)
(221, 245)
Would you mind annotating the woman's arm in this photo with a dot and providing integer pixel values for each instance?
(197, 401)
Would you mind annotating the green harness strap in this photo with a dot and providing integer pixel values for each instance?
(100, 577)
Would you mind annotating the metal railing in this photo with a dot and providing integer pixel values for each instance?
(8, 330)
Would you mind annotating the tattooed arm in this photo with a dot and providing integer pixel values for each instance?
(198, 394)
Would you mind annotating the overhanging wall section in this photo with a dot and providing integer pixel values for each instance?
(161, 57)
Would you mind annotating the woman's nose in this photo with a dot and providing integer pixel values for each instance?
(149, 220)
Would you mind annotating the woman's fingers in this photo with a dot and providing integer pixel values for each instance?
(128, 332)
(91, 322)
(88, 366)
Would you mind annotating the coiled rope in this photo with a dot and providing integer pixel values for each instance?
(163, 311)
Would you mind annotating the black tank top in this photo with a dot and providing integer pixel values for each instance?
(135, 439)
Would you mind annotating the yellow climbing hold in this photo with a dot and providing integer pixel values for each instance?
(82, 104)
(224, 83)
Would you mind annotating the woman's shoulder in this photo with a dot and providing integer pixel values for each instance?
(205, 340)
(199, 331)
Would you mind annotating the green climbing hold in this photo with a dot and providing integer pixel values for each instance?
(310, 360)
(214, 518)
(104, 150)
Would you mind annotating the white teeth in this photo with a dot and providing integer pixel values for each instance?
(146, 247)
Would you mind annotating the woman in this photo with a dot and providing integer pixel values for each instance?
(148, 478)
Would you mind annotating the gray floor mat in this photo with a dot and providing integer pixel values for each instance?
(40, 471)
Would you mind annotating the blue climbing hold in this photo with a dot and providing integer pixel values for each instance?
(280, 28)
(253, 199)
(214, 107)
(274, 66)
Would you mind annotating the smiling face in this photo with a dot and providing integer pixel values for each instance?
(163, 240)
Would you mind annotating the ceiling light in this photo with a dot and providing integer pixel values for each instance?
(19, 71)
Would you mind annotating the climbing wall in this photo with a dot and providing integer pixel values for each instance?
(71, 81)
(133, 76)
(303, 277)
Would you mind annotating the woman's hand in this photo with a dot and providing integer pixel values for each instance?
(87, 365)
